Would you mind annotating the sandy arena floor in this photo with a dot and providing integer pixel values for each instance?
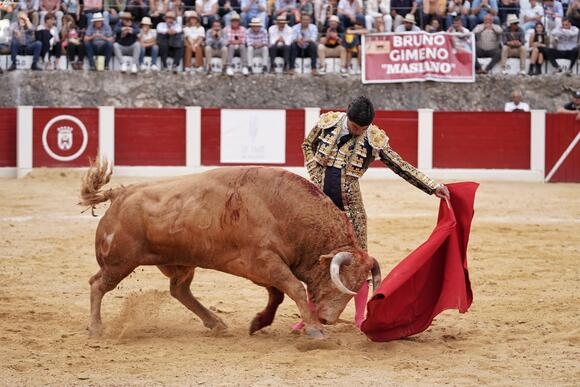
(523, 327)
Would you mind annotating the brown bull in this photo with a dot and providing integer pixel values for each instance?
(268, 225)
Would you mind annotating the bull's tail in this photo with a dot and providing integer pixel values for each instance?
(97, 176)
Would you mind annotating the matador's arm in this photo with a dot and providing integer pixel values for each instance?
(381, 148)
(309, 147)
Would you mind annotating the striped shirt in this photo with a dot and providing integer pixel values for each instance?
(260, 37)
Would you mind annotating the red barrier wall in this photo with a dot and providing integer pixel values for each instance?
(211, 129)
(481, 140)
(8, 118)
(561, 129)
(58, 136)
(154, 137)
(402, 129)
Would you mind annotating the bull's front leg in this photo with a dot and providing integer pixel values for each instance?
(289, 284)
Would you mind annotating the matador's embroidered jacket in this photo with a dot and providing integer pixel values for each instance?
(335, 163)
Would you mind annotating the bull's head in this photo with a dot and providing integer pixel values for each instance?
(342, 275)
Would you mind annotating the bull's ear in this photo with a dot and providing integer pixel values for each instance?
(324, 260)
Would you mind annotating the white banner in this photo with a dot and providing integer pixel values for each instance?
(253, 136)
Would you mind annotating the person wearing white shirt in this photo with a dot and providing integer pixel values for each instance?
(280, 35)
(193, 34)
(533, 15)
(516, 104)
(379, 11)
(566, 47)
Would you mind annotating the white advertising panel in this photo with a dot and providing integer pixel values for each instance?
(253, 136)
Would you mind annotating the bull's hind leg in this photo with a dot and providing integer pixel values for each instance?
(179, 286)
(104, 281)
(266, 317)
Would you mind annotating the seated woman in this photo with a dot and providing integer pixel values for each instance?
(72, 42)
(539, 40)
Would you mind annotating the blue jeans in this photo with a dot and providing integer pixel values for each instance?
(345, 21)
(153, 51)
(33, 48)
(99, 48)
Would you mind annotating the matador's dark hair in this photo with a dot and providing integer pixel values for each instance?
(361, 111)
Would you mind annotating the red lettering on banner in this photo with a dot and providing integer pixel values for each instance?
(418, 57)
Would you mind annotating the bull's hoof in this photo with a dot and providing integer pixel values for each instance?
(219, 329)
(259, 322)
(315, 333)
(95, 330)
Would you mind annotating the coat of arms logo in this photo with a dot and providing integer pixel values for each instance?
(65, 138)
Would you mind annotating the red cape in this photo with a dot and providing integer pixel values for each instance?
(431, 279)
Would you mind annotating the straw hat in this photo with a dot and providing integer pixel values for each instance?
(281, 19)
(409, 18)
(512, 19)
(125, 15)
(235, 16)
(255, 22)
(189, 14)
(334, 18)
(146, 21)
(98, 17)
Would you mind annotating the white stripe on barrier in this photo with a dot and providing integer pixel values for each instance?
(192, 136)
(107, 133)
(310, 119)
(563, 158)
(538, 140)
(425, 139)
(24, 140)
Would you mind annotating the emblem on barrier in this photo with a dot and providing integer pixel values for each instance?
(65, 138)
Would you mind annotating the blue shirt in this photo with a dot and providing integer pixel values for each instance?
(311, 34)
(484, 11)
(105, 30)
(254, 10)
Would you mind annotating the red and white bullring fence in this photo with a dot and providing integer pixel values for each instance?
(536, 146)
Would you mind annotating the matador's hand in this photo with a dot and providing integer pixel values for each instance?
(442, 192)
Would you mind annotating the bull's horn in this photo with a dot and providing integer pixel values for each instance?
(376, 273)
(337, 261)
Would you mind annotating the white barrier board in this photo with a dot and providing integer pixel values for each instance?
(253, 136)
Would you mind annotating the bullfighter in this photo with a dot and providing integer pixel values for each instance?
(339, 150)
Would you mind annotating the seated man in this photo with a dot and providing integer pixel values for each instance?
(487, 39)
(553, 13)
(99, 41)
(236, 43)
(305, 42)
(331, 45)
(280, 41)
(215, 45)
(24, 39)
(257, 40)
(566, 38)
(516, 104)
(572, 107)
(480, 9)
(409, 24)
(170, 40)
(127, 41)
(514, 44)
(48, 35)
(400, 9)
(349, 11)
(532, 15)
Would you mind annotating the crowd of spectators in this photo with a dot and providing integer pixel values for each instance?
(194, 31)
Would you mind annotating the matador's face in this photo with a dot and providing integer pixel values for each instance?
(356, 129)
